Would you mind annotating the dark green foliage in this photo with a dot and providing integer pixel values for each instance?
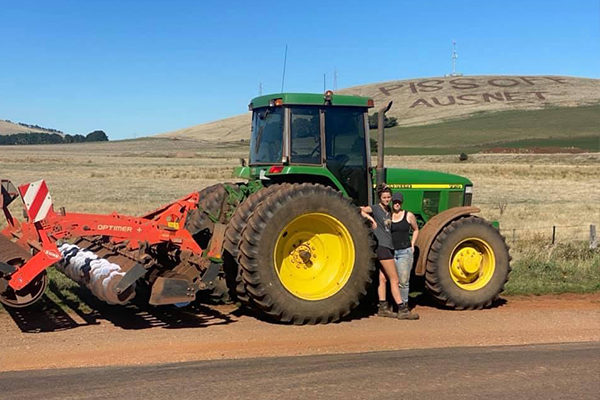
(373, 143)
(389, 122)
(96, 136)
(51, 138)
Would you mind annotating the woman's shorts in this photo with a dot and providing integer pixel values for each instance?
(383, 253)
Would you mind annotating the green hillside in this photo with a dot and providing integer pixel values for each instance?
(551, 127)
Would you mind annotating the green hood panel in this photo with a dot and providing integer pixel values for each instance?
(405, 177)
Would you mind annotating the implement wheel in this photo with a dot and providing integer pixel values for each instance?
(233, 237)
(307, 255)
(26, 296)
(468, 264)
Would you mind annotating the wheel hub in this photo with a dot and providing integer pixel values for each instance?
(472, 264)
(467, 262)
(302, 255)
(314, 256)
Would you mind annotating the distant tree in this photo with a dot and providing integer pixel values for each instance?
(373, 145)
(78, 138)
(96, 136)
(374, 122)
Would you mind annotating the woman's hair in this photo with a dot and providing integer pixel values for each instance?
(381, 189)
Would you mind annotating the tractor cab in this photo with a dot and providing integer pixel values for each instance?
(298, 137)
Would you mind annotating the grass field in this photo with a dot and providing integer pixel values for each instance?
(550, 127)
(586, 144)
(526, 193)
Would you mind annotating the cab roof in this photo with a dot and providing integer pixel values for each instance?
(311, 99)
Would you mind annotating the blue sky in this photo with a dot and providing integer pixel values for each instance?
(136, 68)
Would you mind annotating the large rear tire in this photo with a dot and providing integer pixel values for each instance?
(468, 264)
(233, 237)
(307, 255)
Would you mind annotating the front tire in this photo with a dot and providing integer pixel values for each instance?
(468, 264)
(307, 255)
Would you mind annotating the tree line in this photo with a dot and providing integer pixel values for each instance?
(51, 138)
(34, 126)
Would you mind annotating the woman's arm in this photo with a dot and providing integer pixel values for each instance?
(413, 223)
(365, 211)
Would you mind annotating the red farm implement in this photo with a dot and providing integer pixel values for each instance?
(110, 254)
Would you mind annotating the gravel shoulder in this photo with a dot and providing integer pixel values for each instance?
(129, 336)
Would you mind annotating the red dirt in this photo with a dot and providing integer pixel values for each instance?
(134, 338)
(534, 150)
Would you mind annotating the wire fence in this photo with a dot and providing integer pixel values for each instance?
(552, 234)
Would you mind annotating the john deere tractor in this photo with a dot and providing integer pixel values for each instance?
(291, 239)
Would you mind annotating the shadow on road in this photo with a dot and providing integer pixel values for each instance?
(82, 309)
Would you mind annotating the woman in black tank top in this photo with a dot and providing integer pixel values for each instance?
(402, 223)
(380, 216)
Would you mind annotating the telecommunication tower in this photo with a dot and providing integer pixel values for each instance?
(454, 57)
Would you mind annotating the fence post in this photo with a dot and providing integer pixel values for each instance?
(593, 238)
(553, 234)
(514, 235)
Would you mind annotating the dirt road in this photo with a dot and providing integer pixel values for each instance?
(130, 336)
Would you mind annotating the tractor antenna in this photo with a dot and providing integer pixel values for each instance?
(284, 63)
(260, 88)
(454, 57)
(335, 76)
(324, 83)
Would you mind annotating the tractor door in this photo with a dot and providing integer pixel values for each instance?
(347, 153)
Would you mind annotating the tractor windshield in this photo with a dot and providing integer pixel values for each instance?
(266, 143)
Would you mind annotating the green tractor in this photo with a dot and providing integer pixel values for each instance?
(291, 241)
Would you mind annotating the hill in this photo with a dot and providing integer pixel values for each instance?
(461, 111)
(11, 128)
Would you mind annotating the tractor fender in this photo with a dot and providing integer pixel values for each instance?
(430, 231)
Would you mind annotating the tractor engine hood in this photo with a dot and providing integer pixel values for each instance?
(404, 178)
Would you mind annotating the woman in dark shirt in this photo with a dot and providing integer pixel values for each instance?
(380, 216)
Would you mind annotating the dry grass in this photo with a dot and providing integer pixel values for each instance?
(133, 177)
(537, 191)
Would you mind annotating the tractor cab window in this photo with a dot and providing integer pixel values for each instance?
(306, 135)
(266, 143)
(346, 150)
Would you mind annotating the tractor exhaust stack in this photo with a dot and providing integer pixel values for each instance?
(381, 142)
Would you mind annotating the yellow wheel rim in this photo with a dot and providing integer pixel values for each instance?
(472, 264)
(314, 256)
